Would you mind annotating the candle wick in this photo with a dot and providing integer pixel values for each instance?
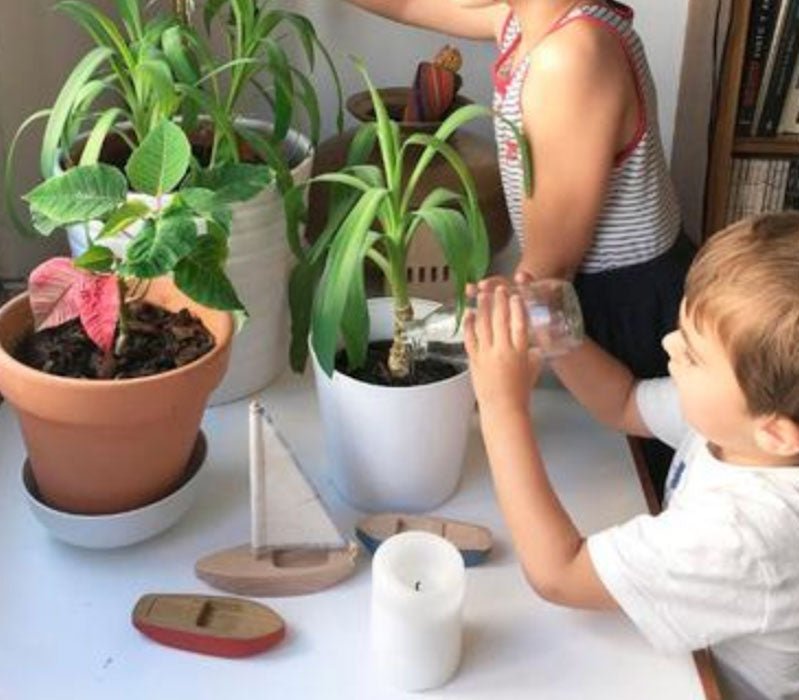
(418, 586)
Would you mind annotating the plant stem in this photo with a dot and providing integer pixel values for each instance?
(399, 357)
(124, 316)
(181, 10)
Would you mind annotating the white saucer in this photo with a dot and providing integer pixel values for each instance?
(118, 529)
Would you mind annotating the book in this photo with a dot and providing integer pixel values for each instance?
(786, 43)
(768, 66)
(734, 189)
(762, 18)
(789, 118)
(791, 200)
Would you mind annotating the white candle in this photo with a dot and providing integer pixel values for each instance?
(418, 585)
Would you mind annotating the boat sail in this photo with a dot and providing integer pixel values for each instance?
(295, 547)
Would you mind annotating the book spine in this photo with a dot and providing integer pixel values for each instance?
(732, 193)
(787, 53)
(768, 67)
(789, 118)
(762, 18)
(741, 189)
(791, 200)
(781, 184)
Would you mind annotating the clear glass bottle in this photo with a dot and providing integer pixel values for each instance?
(555, 324)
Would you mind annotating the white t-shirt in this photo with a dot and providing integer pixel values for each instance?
(719, 567)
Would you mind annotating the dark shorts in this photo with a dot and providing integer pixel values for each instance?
(628, 311)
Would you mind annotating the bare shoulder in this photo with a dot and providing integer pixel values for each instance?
(581, 53)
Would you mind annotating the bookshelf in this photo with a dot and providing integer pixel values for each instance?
(726, 144)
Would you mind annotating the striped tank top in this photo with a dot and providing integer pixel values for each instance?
(640, 218)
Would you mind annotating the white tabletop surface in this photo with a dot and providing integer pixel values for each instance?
(65, 627)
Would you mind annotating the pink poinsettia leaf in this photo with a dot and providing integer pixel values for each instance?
(53, 288)
(99, 304)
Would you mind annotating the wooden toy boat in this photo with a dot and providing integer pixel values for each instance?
(295, 548)
(473, 541)
(215, 625)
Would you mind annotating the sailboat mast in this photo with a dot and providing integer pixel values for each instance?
(257, 479)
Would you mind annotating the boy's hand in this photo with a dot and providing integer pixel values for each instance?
(495, 336)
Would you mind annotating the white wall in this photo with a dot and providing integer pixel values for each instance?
(391, 51)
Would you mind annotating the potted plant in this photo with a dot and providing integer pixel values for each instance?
(400, 446)
(114, 428)
(154, 66)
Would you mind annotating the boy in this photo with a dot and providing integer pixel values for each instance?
(719, 566)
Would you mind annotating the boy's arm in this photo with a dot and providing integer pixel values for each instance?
(441, 15)
(603, 385)
(553, 553)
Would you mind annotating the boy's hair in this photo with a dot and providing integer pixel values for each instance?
(744, 286)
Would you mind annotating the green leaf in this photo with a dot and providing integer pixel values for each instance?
(346, 255)
(355, 321)
(60, 113)
(160, 161)
(201, 275)
(235, 182)
(94, 144)
(80, 194)
(160, 245)
(97, 258)
(362, 144)
(386, 135)
(129, 213)
(452, 232)
(303, 280)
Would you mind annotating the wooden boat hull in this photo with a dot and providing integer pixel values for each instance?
(473, 541)
(214, 625)
(278, 572)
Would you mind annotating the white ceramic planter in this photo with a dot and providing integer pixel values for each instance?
(259, 265)
(394, 448)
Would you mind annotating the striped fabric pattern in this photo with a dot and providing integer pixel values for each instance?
(640, 218)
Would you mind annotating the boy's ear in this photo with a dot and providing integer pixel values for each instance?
(777, 435)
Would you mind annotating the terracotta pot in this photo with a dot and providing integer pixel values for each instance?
(106, 446)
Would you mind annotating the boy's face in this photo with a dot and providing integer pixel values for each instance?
(711, 398)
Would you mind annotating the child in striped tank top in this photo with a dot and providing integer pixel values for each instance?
(573, 76)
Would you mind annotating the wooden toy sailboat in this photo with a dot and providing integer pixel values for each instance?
(215, 625)
(295, 548)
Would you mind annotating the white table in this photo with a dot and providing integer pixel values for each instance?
(65, 627)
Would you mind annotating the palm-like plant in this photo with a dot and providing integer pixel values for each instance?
(372, 217)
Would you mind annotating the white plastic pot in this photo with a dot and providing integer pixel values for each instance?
(394, 448)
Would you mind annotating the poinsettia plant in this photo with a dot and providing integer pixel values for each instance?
(177, 222)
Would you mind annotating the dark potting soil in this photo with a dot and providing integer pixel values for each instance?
(158, 341)
(375, 369)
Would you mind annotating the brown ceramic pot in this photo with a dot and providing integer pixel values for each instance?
(106, 446)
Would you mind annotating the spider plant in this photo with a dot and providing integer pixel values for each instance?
(372, 217)
(146, 66)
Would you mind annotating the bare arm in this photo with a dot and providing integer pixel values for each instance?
(580, 110)
(603, 385)
(441, 15)
(552, 551)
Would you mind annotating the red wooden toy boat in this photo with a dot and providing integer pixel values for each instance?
(215, 625)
